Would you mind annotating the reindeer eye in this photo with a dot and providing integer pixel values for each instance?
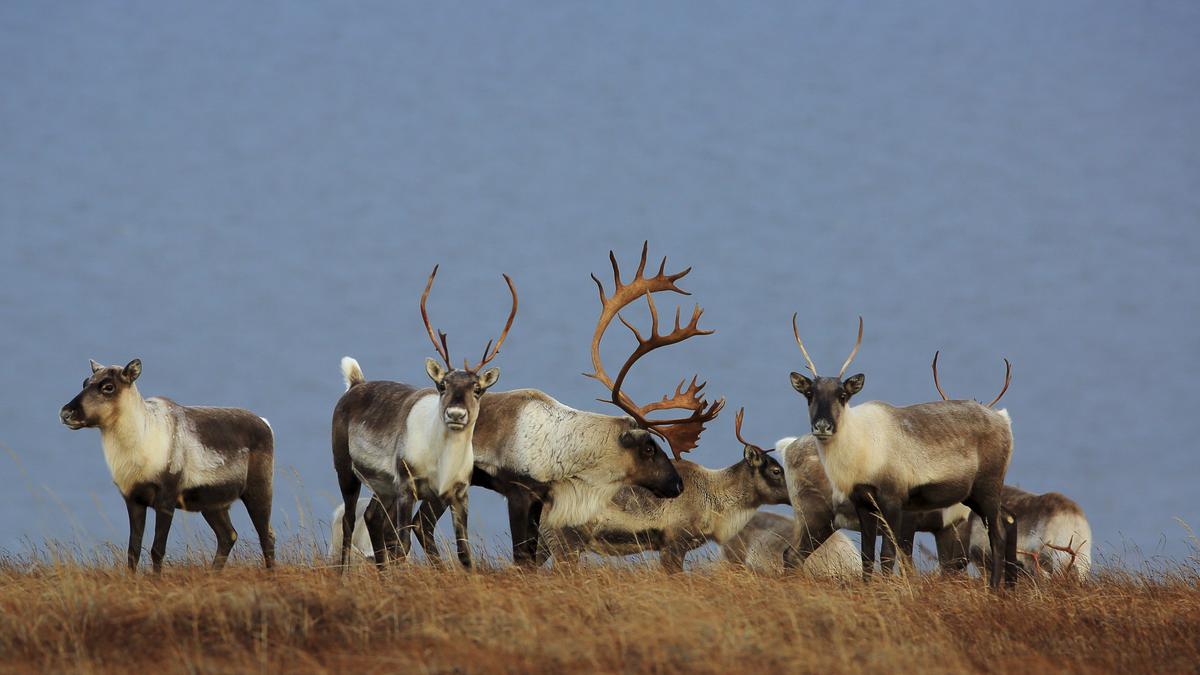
(775, 471)
(107, 388)
(478, 391)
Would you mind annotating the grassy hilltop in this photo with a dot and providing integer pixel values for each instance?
(57, 615)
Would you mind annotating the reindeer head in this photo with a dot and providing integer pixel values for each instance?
(651, 468)
(827, 396)
(459, 390)
(768, 479)
(646, 465)
(104, 394)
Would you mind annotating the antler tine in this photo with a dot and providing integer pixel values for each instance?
(737, 430)
(488, 352)
(807, 360)
(442, 349)
(935, 377)
(857, 344)
(1007, 379)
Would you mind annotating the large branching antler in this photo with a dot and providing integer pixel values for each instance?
(681, 433)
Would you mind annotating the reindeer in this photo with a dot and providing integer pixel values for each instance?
(165, 456)
(818, 517)
(715, 506)
(1053, 537)
(886, 460)
(1052, 532)
(407, 443)
(760, 547)
(558, 466)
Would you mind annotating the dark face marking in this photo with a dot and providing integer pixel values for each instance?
(769, 480)
(459, 392)
(652, 469)
(100, 399)
(827, 399)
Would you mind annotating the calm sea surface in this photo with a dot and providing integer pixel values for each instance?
(240, 194)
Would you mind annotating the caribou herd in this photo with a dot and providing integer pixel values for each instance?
(577, 481)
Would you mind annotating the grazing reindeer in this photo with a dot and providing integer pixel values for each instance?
(559, 466)
(407, 443)
(715, 506)
(1053, 534)
(165, 456)
(886, 460)
(818, 517)
(762, 543)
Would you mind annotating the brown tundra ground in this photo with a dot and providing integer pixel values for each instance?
(61, 615)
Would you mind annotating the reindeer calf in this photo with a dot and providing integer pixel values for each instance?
(165, 456)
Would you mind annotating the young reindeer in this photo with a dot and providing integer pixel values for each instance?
(715, 506)
(887, 460)
(165, 456)
(559, 466)
(407, 443)
(1052, 533)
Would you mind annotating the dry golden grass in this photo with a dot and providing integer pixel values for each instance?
(61, 615)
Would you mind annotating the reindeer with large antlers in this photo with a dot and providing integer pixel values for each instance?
(407, 443)
(887, 460)
(559, 466)
(715, 506)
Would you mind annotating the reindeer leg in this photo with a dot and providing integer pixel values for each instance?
(163, 513)
(892, 516)
(218, 520)
(908, 537)
(808, 539)
(951, 549)
(425, 524)
(375, 518)
(1012, 566)
(458, 511)
(672, 556)
(137, 526)
(350, 486)
(866, 506)
(399, 526)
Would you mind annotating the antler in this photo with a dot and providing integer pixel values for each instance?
(442, 349)
(935, 377)
(1074, 552)
(682, 433)
(488, 352)
(808, 360)
(737, 431)
(857, 344)
(1007, 380)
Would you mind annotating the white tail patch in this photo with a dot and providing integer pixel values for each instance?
(351, 372)
(782, 444)
(360, 541)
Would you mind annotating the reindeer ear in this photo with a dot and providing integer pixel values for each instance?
(96, 367)
(801, 383)
(753, 457)
(488, 377)
(854, 384)
(435, 370)
(132, 370)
